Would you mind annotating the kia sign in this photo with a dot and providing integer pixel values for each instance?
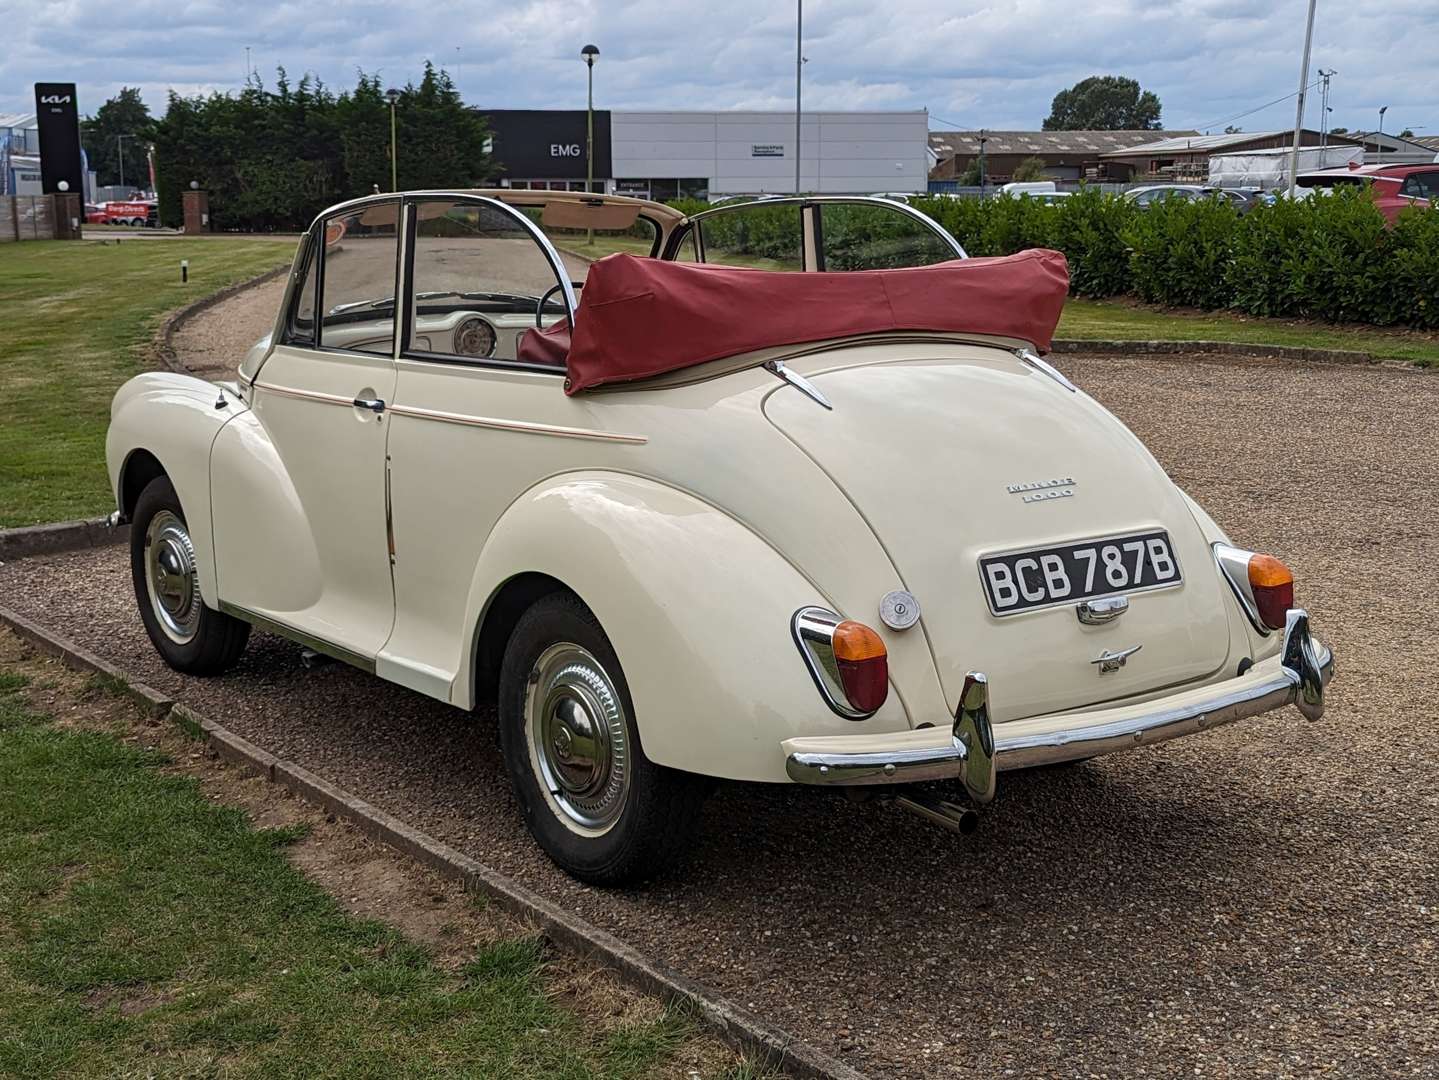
(538, 144)
(58, 118)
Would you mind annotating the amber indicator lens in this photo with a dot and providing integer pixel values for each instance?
(1273, 585)
(863, 665)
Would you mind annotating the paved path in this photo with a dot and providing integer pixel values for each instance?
(1261, 900)
(214, 342)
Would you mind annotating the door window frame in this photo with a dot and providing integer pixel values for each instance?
(406, 323)
(811, 226)
(318, 238)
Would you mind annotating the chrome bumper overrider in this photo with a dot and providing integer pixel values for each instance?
(973, 751)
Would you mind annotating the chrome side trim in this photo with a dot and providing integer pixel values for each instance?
(525, 426)
(307, 395)
(300, 637)
(1306, 667)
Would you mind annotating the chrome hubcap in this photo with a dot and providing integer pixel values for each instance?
(170, 578)
(579, 746)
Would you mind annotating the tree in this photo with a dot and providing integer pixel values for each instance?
(1232, 130)
(124, 115)
(1407, 133)
(970, 176)
(272, 159)
(1339, 131)
(1031, 168)
(1104, 103)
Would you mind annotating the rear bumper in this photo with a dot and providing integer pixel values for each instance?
(971, 750)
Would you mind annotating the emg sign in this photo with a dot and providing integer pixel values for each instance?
(547, 145)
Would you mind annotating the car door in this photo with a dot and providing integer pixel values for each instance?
(300, 508)
(472, 426)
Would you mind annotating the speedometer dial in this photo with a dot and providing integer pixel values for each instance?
(474, 337)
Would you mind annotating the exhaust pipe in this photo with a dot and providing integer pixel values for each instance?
(947, 815)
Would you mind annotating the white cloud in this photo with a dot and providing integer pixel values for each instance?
(994, 64)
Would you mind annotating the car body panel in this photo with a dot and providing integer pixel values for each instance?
(299, 490)
(175, 419)
(934, 477)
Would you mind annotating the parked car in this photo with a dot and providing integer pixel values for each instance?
(1395, 188)
(138, 212)
(95, 214)
(843, 529)
(1145, 197)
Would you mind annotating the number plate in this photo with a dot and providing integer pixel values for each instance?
(1068, 573)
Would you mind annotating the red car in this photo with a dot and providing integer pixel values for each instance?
(1394, 186)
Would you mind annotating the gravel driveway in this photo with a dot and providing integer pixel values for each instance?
(1261, 900)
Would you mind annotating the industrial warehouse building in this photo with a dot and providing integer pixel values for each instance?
(666, 155)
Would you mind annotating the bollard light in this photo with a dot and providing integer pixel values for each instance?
(184, 271)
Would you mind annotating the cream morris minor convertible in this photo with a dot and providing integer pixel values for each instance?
(790, 496)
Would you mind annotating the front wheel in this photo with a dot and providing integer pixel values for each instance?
(191, 637)
(592, 800)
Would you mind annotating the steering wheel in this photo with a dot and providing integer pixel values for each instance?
(540, 305)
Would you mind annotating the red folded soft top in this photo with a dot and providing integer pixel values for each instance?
(642, 317)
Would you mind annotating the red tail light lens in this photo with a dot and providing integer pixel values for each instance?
(863, 664)
(1273, 585)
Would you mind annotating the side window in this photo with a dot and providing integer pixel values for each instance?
(1421, 185)
(688, 251)
(864, 236)
(357, 304)
(480, 281)
(300, 325)
(753, 234)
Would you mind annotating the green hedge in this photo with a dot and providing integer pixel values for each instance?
(1329, 257)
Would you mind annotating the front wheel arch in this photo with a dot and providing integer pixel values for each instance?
(140, 468)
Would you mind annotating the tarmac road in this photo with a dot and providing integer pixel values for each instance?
(1260, 900)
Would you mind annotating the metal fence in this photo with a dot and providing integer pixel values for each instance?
(27, 217)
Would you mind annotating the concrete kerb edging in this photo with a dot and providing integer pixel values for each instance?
(60, 536)
(733, 1025)
(163, 345)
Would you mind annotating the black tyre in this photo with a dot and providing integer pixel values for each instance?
(191, 637)
(599, 808)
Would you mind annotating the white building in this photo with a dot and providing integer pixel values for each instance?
(664, 155)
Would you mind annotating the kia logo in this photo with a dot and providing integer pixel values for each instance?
(55, 99)
(565, 149)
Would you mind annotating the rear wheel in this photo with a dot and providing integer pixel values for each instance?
(592, 800)
(191, 637)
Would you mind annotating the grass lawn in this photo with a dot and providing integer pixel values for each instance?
(76, 320)
(147, 929)
(1121, 321)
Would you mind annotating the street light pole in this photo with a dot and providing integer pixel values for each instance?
(798, 80)
(590, 53)
(1378, 143)
(394, 96)
(1299, 109)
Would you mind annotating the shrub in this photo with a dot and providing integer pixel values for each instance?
(1181, 251)
(1411, 286)
(1088, 228)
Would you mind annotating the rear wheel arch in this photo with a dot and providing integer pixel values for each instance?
(501, 615)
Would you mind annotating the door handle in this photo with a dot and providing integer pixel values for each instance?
(375, 405)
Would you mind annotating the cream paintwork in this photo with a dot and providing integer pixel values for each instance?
(693, 520)
(181, 443)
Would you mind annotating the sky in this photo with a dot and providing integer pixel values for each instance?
(994, 64)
